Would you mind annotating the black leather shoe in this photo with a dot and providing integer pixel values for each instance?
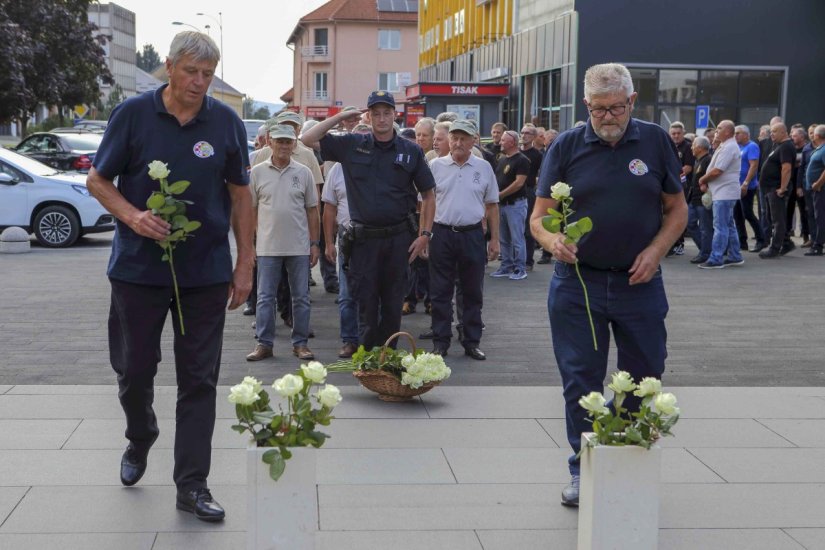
(440, 351)
(426, 335)
(249, 310)
(200, 503)
(769, 253)
(133, 464)
(475, 353)
(787, 248)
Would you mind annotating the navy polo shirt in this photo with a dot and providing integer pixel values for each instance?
(382, 179)
(619, 187)
(209, 151)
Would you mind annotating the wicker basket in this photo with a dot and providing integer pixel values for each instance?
(387, 386)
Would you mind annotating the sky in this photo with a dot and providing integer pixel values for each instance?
(257, 60)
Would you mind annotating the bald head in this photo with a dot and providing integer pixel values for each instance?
(725, 129)
(776, 120)
(779, 132)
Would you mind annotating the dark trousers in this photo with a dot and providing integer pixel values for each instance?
(743, 212)
(819, 212)
(796, 202)
(419, 287)
(529, 241)
(636, 314)
(778, 208)
(456, 256)
(329, 271)
(378, 282)
(810, 212)
(136, 318)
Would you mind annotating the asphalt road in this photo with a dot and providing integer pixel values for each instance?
(760, 324)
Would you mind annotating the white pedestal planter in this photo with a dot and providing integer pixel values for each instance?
(619, 497)
(283, 514)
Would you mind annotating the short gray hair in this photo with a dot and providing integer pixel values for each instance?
(445, 126)
(262, 130)
(743, 128)
(677, 124)
(702, 142)
(607, 78)
(426, 121)
(447, 116)
(800, 131)
(819, 131)
(193, 44)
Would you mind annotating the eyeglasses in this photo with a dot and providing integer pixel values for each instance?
(615, 110)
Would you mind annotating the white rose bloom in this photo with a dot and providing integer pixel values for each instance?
(594, 402)
(315, 372)
(622, 382)
(407, 361)
(254, 382)
(158, 170)
(665, 403)
(243, 394)
(289, 385)
(560, 191)
(328, 396)
(648, 386)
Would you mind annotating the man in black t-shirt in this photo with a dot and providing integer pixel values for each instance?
(686, 160)
(776, 175)
(511, 174)
(529, 133)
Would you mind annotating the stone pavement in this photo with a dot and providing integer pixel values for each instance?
(461, 468)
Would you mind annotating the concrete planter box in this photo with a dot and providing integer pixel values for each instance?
(283, 514)
(619, 497)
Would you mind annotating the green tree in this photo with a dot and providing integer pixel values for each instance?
(261, 113)
(148, 59)
(115, 98)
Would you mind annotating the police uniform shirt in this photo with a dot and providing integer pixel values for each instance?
(462, 192)
(210, 151)
(620, 188)
(508, 169)
(281, 198)
(381, 178)
(335, 193)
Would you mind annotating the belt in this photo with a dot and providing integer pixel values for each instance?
(370, 232)
(459, 228)
(510, 202)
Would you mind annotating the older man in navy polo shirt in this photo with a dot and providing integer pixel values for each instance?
(202, 141)
(624, 175)
(383, 174)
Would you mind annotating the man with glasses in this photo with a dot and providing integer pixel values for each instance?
(624, 175)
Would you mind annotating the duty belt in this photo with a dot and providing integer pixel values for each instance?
(459, 228)
(370, 232)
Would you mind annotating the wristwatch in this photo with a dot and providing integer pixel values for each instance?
(428, 234)
(315, 243)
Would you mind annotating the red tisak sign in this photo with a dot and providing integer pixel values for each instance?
(450, 89)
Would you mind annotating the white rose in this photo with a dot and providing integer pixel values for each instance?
(158, 170)
(328, 396)
(560, 191)
(315, 372)
(622, 382)
(594, 402)
(254, 382)
(289, 385)
(243, 394)
(648, 386)
(665, 403)
(407, 361)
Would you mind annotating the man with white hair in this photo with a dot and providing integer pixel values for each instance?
(441, 141)
(624, 175)
(722, 178)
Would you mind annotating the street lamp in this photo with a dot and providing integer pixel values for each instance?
(219, 21)
(186, 25)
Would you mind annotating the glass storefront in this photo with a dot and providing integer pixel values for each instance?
(666, 95)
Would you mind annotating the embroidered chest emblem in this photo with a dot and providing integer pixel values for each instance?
(296, 183)
(203, 149)
(637, 167)
(477, 178)
(507, 169)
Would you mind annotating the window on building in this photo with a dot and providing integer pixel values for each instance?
(321, 41)
(388, 81)
(677, 86)
(320, 90)
(389, 39)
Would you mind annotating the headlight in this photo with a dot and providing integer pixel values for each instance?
(82, 190)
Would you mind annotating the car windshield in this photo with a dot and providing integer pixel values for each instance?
(27, 164)
(84, 142)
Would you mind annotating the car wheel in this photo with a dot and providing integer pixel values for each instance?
(56, 227)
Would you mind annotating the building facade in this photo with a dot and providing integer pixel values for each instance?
(726, 57)
(346, 49)
(117, 24)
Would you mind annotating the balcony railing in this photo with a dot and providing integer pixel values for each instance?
(315, 51)
(316, 95)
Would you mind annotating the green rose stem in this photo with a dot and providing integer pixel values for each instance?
(566, 212)
(177, 292)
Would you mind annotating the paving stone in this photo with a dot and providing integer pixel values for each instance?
(9, 498)
(538, 539)
(398, 540)
(811, 539)
(4, 389)
(57, 406)
(56, 389)
(109, 434)
(495, 402)
(801, 432)
(35, 434)
(726, 539)
(751, 402)
(765, 465)
(85, 541)
(383, 466)
(214, 540)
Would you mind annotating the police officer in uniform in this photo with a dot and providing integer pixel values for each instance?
(383, 174)
(466, 191)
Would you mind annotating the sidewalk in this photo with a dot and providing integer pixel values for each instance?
(461, 468)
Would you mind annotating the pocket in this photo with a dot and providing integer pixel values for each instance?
(563, 270)
(360, 166)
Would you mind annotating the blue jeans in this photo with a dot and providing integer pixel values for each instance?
(269, 276)
(725, 238)
(511, 235)
(347, 310)
(636, 314)
(700, 228)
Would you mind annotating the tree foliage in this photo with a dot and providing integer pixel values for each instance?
(249, 110)
(148, 59)
(50, 53)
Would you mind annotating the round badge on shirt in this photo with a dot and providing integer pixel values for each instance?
(203, 149)
(638, 167)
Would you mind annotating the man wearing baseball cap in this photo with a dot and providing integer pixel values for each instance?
(383, 174)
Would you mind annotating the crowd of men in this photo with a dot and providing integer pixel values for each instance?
(771, 184)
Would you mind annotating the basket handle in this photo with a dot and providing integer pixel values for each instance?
(393, 337)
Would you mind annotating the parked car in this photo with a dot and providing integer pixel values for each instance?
(252, 126)
(54, 205)
(99, 125)
(64, 149)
